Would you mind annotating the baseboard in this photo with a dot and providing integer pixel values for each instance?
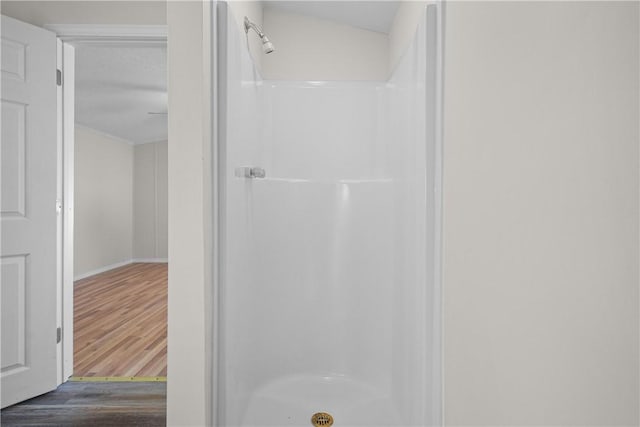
(118, 265)
(101, 270)
(157, 260)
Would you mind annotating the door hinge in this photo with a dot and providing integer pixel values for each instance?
(58, 335)
(59, 77)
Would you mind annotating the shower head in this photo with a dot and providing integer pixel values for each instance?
(267, 46)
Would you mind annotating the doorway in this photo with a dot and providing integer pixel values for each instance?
(120, 219)
(120, 198)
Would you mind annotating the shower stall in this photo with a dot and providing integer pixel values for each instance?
(327, 241)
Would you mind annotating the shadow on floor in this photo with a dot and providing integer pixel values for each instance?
(93, 404)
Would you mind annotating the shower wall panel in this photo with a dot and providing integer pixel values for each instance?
(325, 131)
(412, 156)
(326, 302)
(240, 146)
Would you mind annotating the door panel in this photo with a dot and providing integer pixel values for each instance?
(28, 218)
(13, 159)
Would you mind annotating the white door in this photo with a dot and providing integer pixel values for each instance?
(28, 212)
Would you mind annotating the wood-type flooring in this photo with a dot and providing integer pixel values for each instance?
(93, 405)
(120, 322)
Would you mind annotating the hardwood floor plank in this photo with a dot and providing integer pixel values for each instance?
(120, 322)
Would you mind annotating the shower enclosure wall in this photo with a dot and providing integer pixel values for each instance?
(327, 290)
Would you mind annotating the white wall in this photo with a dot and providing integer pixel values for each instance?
(189, 355)
(150, 226)
(103, 201)
(541, 213)
(309, 48)
(120, 200)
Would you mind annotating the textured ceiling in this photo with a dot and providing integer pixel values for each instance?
(369, 15)
(116, 88)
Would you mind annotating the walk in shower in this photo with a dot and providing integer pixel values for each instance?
(327, 298)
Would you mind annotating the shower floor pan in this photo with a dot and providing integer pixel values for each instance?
(294, 400)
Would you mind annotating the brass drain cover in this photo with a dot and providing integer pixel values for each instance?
(321, 419)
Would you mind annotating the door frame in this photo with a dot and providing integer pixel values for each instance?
(71, 36)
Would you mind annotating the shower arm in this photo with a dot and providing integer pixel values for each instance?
(267, 46)
(250, 25)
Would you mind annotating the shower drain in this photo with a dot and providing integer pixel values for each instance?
(321, 419)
